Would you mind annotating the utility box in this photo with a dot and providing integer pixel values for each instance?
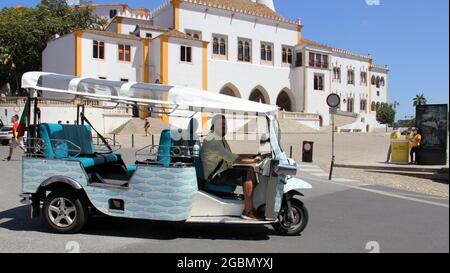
(308, 149)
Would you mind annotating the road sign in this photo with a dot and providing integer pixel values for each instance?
(333, 100)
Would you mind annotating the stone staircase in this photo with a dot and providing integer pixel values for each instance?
(135, 126)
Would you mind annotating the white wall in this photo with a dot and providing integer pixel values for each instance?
(182, 73)
(273, 78)
(111, 67)
(164, 17)
(104, 121)
(59, 55)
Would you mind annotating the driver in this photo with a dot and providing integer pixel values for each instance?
(218, 163)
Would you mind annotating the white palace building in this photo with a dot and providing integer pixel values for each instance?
(241, 48)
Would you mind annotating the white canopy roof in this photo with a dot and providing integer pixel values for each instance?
(68, 87)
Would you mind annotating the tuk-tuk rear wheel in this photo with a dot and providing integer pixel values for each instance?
(65, 212)
(299, 223)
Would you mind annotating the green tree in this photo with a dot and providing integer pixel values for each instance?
(419, 100)
(386, 114)
(24, 33)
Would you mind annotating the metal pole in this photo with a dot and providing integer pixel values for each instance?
(153, 140)
(332, 150)
(290, 152)
(132, 141)
(114, 140)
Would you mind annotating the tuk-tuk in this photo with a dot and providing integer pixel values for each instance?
(67, 177)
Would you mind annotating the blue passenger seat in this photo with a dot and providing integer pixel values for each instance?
(58, 139)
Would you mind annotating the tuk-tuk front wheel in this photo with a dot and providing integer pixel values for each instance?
(292, 222)
(65, 212)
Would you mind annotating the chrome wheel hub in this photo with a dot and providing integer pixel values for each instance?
(62, 212)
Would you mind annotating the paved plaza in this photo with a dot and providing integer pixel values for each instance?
(346, 215)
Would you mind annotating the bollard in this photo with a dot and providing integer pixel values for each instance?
(114, 140)
(290, 152)
(132, 141)
(153, 140)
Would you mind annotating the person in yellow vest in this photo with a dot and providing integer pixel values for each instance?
(416, 142)
(394, 136)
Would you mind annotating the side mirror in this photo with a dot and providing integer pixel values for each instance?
(264, 139)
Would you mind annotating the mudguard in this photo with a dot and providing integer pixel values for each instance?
(293, 183)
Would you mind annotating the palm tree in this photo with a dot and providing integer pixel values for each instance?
(419, 100)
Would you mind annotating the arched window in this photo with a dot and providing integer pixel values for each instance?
(263, 53)
(247, 52)
(289, 56)
(378, 106)
(382, 81)
(284, 102)
(378, 82)
(373, 80)
(284, 55)
(241, 51)
(373, 107)
(215, 46)
(223, 47)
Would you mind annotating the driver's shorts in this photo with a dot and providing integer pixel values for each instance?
(233, 176)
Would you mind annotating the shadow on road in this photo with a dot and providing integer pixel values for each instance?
(18, 219)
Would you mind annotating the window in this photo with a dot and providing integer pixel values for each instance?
(363, 78)
(124, 53)
(363, 105)
(318, 60)
(350, 76)
(286, 55)
(112, 13)
(350, 105)
(318, 82)
(98, 50)
(311, 59)
(219, 46)
(377, 82)
(148, 35)
(325, 61)
(373, 80)
(337, 74)
(244, 51)
(194, 34)
(186, 54)
(266, 53)
(378, 93)
(382, 82)
(298, 59)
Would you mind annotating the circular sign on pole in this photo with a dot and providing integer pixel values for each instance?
(333, 100)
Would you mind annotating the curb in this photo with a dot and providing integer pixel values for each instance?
(394, 168)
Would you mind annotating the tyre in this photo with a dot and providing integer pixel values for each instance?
(300, 221)
(65, 212)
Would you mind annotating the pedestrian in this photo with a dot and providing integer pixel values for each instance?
(416, 143)
(146, 127)
(16, 140)
(394, 136)
(59, 122)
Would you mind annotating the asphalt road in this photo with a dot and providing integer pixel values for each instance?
(344, 217)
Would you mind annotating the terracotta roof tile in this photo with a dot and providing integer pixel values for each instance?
(180, 35)
(112, 34)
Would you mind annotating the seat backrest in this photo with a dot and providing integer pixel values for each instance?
(165, 146)
(80, 135)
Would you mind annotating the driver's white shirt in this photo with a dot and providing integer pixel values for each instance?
(215, 149)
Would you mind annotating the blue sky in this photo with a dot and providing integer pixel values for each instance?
(411, 36)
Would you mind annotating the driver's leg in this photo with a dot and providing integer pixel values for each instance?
(249, 183)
